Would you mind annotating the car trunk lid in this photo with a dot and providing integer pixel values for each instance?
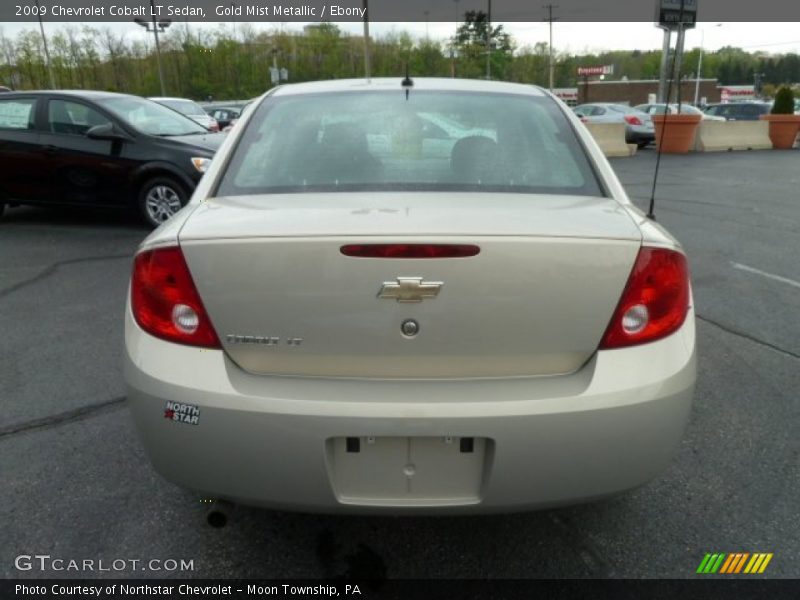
(535, 300)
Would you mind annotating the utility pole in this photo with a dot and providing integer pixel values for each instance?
(677, 61)
(550, 18)
(453, 45)
(366, 41)
(235, 51)
(489, 40)
(46, 50)
(662, 80)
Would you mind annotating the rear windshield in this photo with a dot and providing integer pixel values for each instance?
(428, 141)
(186, 107)
(151, 117)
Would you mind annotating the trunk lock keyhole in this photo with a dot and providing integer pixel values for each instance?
(409, 327)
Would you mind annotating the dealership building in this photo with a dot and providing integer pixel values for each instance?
(640, 91)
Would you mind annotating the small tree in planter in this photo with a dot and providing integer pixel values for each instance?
(783, 123)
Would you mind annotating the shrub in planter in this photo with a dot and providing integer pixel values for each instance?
(784, 102)
(784, 125)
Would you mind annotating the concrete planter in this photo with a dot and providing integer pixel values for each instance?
(679, 133)
(783, 130)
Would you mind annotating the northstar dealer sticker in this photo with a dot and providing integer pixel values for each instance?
(182, 413)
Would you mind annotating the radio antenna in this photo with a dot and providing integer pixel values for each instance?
(651, 211)
(407, 83)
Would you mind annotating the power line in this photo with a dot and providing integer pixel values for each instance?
(767, 45)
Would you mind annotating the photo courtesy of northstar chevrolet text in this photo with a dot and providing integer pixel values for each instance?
(398, 298)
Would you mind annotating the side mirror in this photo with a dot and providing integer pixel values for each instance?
(108, 132)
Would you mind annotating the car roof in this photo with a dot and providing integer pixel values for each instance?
(420, 83)
(170, 98)
(744, 103)
(88, 94)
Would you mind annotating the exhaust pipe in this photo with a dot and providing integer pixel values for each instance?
(218, 513)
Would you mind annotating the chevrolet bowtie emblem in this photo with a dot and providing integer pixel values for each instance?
(410, 289)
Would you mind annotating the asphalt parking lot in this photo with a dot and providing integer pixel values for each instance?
(76, 483)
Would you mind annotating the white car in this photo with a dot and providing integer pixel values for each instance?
(191, 109)
(658, 109)
(340, 327)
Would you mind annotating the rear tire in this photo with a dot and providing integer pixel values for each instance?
(160, 198)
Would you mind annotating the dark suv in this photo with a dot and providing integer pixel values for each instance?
(738, 111)
(99, 148)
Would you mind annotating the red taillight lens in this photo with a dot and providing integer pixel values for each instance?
(632, 120)
(655, 301)
(214, 126)
(410, 250)
(165, 302)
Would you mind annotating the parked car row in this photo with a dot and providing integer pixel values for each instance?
(100, 148)
(739, 111)
(638, 120)
(226, 114)
(659, 109)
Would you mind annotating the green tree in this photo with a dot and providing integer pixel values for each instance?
(471, 41)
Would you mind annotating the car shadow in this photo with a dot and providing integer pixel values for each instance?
(73, 217)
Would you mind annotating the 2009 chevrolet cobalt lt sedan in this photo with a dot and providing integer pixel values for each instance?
(429, 295)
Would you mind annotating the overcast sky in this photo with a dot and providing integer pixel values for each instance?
(567, 36)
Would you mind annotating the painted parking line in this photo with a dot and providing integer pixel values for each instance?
(765, 274)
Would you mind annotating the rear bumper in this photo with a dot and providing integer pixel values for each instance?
(267, 441)
(639, 134)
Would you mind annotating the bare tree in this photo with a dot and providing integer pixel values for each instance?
(115, 49)
(9, 57)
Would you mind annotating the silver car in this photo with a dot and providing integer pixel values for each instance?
(344, 320)
(658, 109)
(191, 109)
(639, 128)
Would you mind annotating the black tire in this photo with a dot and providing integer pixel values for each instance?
(641, 145)
(159, 199)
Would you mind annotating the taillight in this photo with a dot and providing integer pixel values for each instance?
(655, 301)
(165, 302)
(410, 250)
(214, 126)
(632, 120)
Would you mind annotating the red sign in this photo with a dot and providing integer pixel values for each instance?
(598, 70)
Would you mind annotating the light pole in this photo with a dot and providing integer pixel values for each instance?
(161, 24)
(700, 63)
(46, 50)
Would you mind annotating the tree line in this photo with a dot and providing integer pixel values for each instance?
(233, 61)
